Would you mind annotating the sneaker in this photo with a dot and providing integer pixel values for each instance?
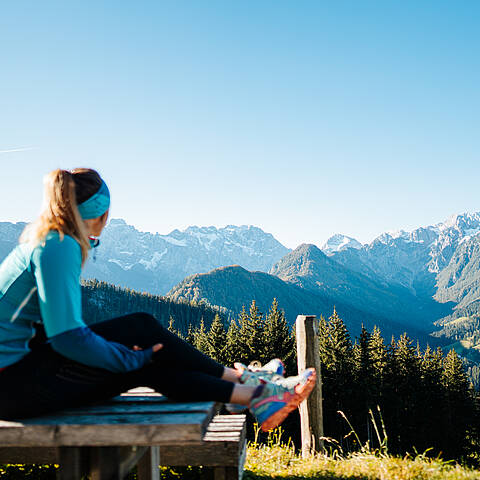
(271, 372)
(276, 401)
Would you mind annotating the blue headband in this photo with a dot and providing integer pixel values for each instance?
(97, 204)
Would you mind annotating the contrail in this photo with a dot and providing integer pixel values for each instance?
(19, 149)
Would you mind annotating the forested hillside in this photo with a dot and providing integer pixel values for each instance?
(102, 301)
(423, 395)
(233, 287)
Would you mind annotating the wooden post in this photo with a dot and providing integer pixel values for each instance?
(308, 355)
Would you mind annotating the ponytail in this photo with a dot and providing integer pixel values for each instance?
(60, 213)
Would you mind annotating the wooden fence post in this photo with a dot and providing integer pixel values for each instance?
(308, 355)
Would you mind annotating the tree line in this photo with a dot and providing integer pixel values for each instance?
(102, 301)
(424, 396)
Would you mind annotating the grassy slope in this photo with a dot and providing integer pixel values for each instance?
(271, 462)
(280, 462)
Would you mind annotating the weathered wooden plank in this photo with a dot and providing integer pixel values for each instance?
(222, 437)
(222, 449)
(219, 448)
(134, 408)
(230, 418)
(126, 419)
(224, 428)
(114, 430)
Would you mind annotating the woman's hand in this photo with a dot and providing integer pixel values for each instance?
(155, 348)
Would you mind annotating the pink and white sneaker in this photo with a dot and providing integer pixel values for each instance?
(276, 401)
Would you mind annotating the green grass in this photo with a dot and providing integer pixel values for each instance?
(281, 462)
(274, 462)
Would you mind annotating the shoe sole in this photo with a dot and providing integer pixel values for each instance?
(301, 393)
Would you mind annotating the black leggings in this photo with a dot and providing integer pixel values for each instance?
(45, 381)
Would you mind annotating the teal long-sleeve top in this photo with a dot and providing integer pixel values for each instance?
(42, 284)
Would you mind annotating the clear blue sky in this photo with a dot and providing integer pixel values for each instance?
(305, 118)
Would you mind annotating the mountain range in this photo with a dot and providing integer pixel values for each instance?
(420, 280)
(155, 263)
(417, 281)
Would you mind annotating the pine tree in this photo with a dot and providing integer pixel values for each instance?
(242, 336)
(201, 342)
(256, 341)
(217, 340)
(171, 327)
(251, 336)
(363, 359)
(378, 355)
(407, 385)
(431, 400)
(278, 339)
(190, 338)
(459, 403)
(338, 377)
(340, 344)
(232, 351)
(324, 343)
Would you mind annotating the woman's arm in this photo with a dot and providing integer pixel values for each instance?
(57, 268)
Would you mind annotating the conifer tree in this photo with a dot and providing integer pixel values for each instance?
(232, 351)
(201, 342)
(324, 342)
(340, 344)
(242, 336)
(171, 327)
(459, 403)
(431, 400)
(338, 376)
(278, 340)
(378, 355)
(190, 338)
(407, 385)
(217, 340)
(256, 340)
(251, 336)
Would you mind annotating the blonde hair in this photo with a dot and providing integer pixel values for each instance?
(60, 210)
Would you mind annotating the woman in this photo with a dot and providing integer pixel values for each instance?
(40, 282)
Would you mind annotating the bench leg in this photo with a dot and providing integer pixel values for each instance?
(72, 461)
(113, 463)
(104, 463)
(147, 467)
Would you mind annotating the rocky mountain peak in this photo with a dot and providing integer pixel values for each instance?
(338, 243)
(155, 262)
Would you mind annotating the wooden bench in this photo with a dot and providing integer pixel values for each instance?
(105, 441)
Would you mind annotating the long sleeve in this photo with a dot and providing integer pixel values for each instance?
(85, 346)
(57, 268)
